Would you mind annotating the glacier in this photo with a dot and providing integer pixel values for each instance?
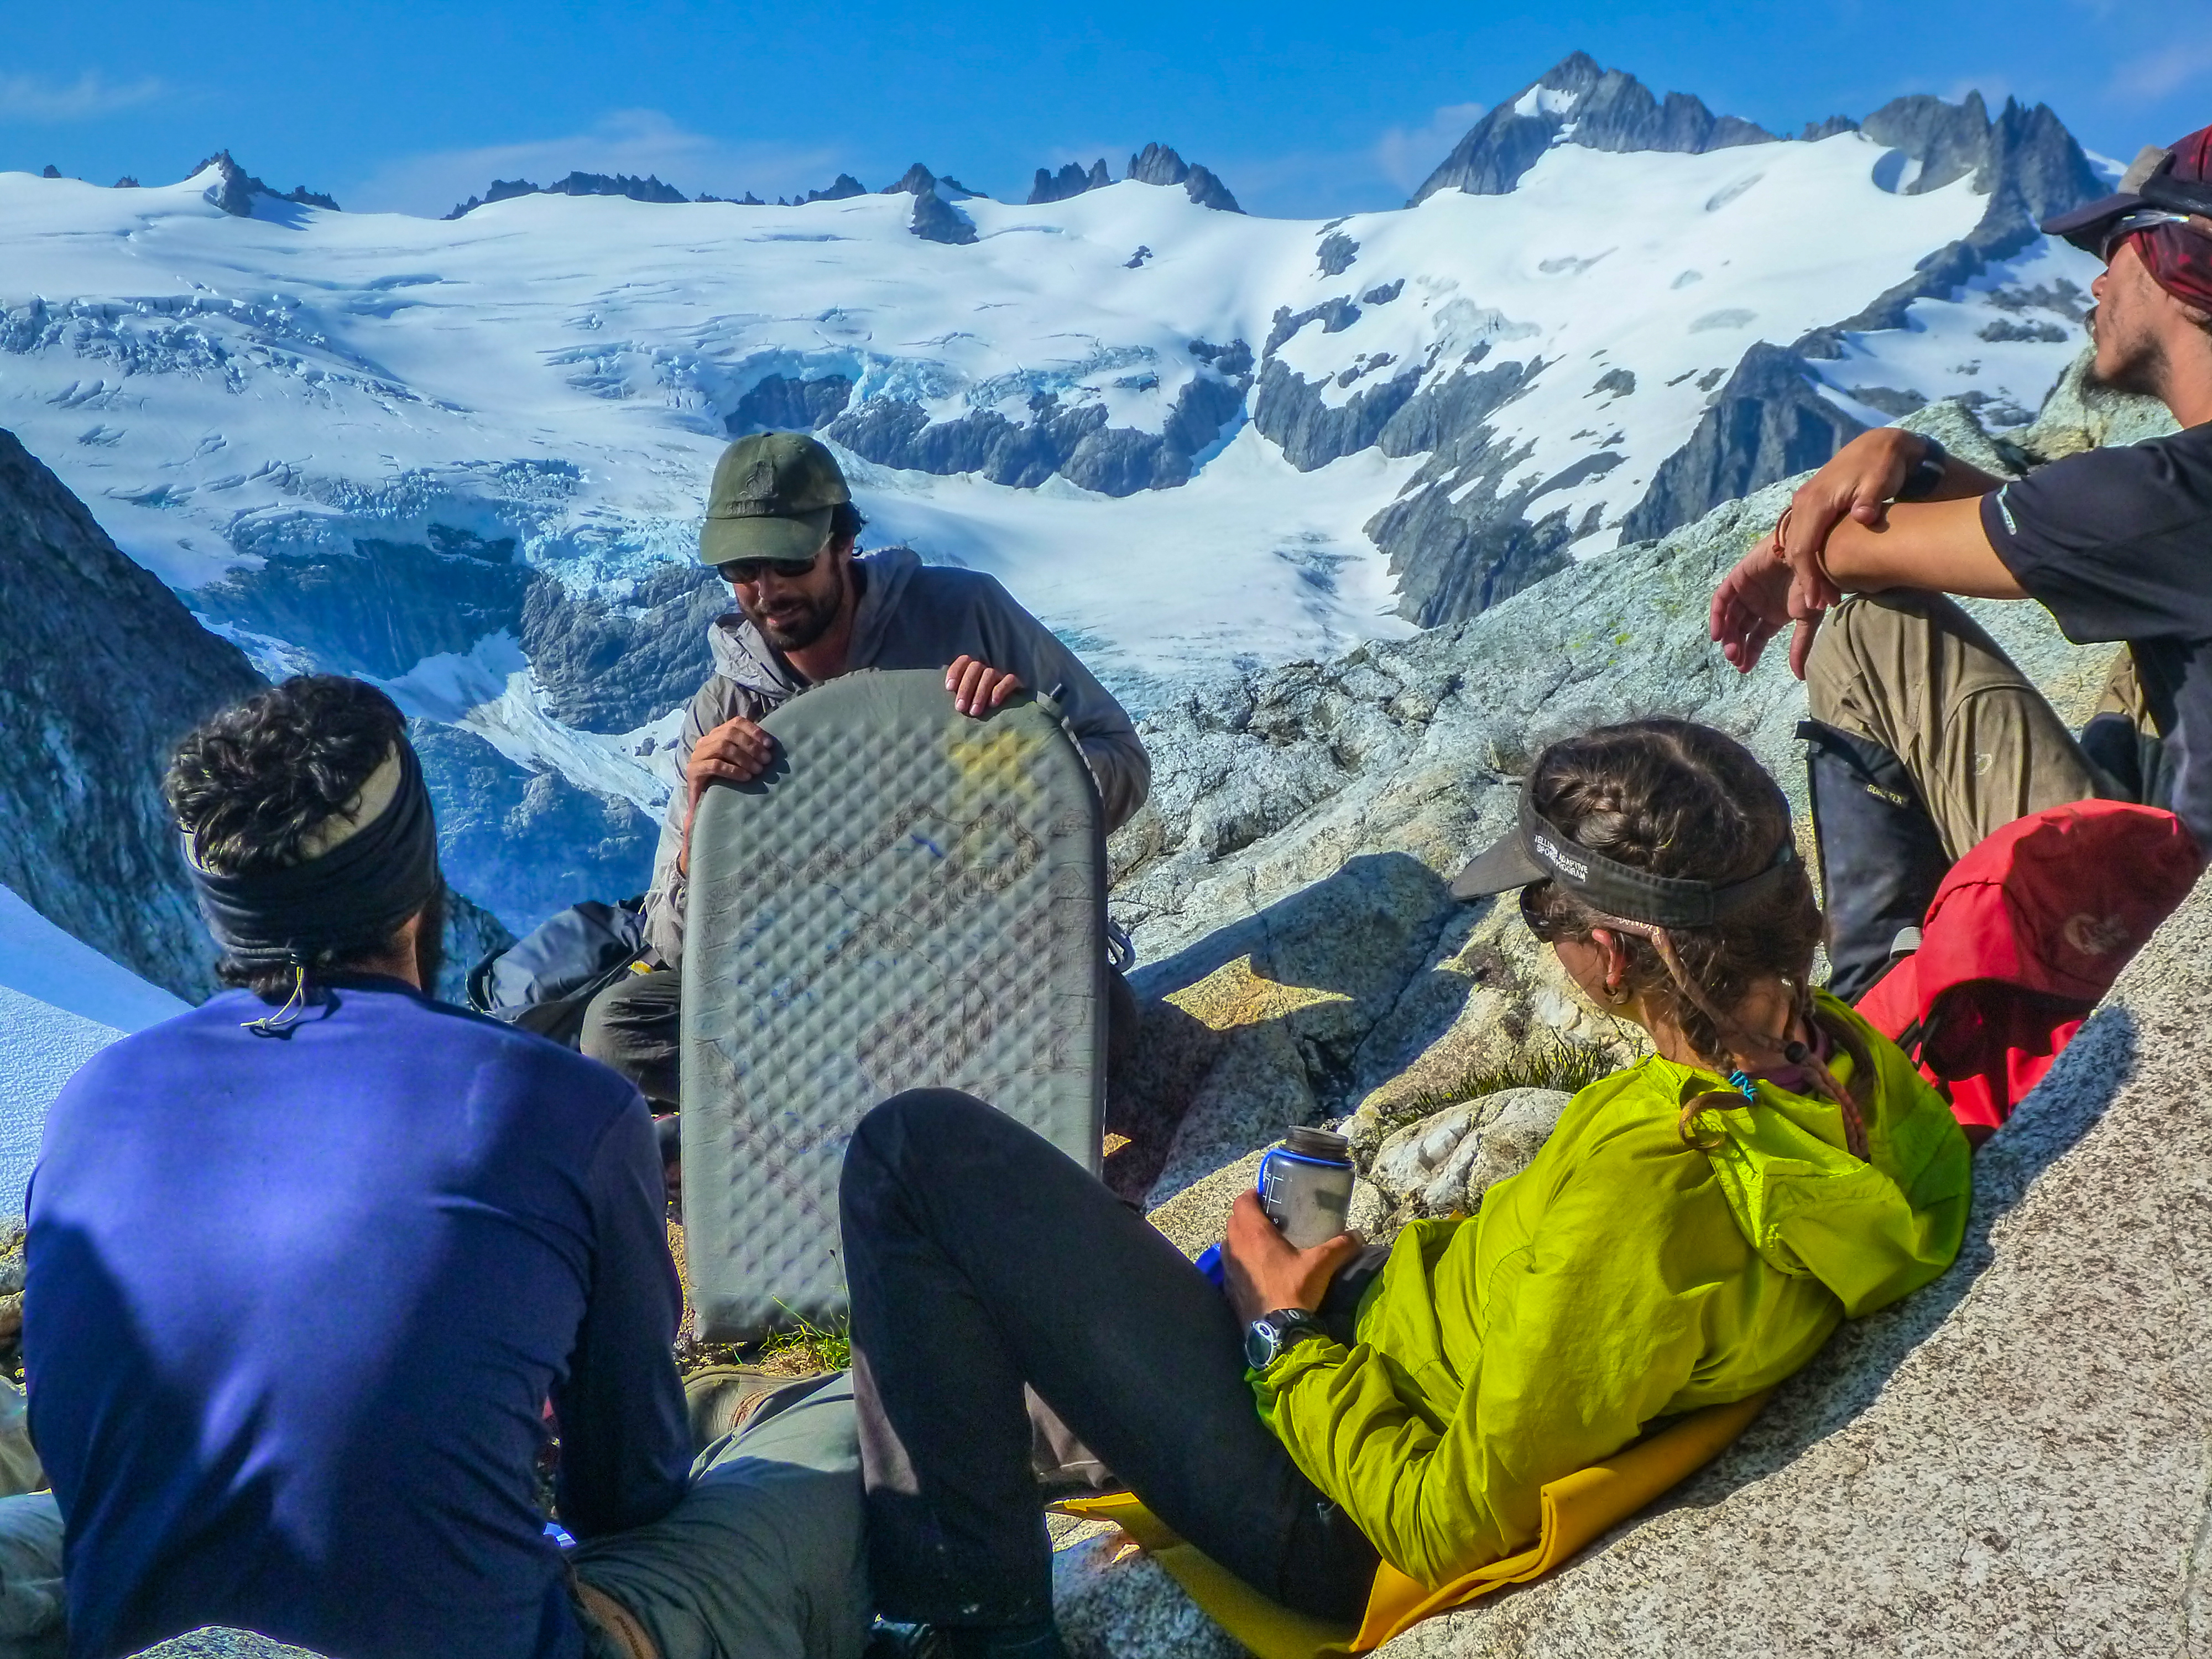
(421, 449)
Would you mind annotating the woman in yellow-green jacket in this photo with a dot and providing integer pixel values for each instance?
(1693, 1230)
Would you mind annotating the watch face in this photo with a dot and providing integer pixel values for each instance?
(1267, 1337)
(1260, 1344)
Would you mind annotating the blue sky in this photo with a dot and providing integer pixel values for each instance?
(1302, 109)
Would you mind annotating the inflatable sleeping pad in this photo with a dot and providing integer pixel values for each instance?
(908, 898)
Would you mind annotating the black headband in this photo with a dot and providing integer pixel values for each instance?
(1636, 895)
(359, 892)
(1539, 850)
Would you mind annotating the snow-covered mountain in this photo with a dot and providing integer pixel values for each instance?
(467, 457)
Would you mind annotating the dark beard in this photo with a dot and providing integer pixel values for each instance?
(803, 630)
(430, 943)
(2142, 374)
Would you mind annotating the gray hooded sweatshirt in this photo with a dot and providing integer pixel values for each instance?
(911, 616)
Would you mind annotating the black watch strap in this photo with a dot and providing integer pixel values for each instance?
(1273, 1334)
(1927, 473)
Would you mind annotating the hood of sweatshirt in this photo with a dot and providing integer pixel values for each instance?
(1870, 1232)
(743, 656)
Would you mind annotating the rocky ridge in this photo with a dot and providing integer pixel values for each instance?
(1577, 101)
(102, 669)
(1304, 964)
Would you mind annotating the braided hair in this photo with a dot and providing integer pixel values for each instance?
(1684, 800)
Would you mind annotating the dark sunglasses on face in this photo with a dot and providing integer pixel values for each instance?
(2142, 220)
(746, 572)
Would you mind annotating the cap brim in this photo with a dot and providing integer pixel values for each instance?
(1506, 866)
(801, 535)
(2084, 226)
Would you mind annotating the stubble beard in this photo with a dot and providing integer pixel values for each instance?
(2140, 369)
(799, 629)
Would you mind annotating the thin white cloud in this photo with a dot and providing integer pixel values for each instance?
(2158, 74)
(1406, 155)
(636, 141)
(28, 99)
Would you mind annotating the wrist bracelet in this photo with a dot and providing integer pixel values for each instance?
(1927, 473)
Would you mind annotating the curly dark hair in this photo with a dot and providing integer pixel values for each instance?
(1682, 800)
(847, 521)
(250, 784)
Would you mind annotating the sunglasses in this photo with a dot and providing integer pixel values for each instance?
(745, 572)
(1532, 912)
(2129, 224)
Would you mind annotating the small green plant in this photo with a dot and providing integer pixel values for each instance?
(1571, 1064)
(808, 1348)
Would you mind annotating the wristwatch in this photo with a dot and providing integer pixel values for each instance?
(1927, 472)
(1273, 1334)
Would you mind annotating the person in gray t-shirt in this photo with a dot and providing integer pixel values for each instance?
(782, 528)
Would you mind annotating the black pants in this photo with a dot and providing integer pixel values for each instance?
(980, 1258)
(635, 1025)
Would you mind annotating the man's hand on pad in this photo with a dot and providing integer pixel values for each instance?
(977, 687)
(736, 751)
(1265, 1274)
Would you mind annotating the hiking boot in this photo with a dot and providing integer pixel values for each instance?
(1880, 857)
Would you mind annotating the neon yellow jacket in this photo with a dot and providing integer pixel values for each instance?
(1622, 1277)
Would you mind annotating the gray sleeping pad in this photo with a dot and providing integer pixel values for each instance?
(909, 898)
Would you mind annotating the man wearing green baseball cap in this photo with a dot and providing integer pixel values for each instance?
(782, 530)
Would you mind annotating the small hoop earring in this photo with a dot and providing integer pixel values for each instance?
(1616, 995)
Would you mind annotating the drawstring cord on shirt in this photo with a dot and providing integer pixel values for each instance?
(293, 1010)
(1742, 1040)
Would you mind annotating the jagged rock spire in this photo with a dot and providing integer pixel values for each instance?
(1157, 164)
(1575, 101)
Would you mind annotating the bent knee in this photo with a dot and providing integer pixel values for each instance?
(897, 1136)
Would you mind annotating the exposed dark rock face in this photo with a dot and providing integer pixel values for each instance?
(2030, 167)
(1456, 544)
(647, 189)
(1072, 441)
(1605, 109)
(842, 188)
(1289, 410)
(1157, 164)
(527, 844)
(611, 667)
(382, 607)
(101, 670)
(784, 402)
(1336, 253)
(935, 218)
(1070, 180)
(1769, 421)
(1383, 294)
(501, 190)
(233, 192)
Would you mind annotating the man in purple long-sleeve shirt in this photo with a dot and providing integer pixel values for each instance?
(306, 1264)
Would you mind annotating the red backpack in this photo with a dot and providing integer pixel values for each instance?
(2024, 935)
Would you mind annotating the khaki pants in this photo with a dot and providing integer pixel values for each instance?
(1916, 674)
(764, 1557)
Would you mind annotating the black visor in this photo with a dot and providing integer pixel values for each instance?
(1539, 850)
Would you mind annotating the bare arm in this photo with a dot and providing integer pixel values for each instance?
(1845, 532)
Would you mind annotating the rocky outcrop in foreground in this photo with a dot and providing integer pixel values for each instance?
(102, 670)
(2011, 1462)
